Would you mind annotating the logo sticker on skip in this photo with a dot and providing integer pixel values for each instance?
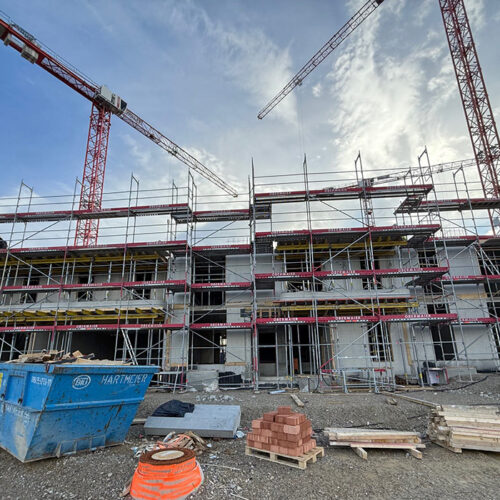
(81, 381)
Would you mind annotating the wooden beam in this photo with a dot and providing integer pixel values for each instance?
(412, 400)
(360, 452)
(297, 400)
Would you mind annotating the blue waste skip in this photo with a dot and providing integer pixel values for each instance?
(49, 410)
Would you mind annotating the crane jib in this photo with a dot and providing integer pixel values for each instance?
(362, 14)
(104, 102)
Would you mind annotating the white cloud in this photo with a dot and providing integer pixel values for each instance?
(476, 14)
(247, 56)
(389, 105)
(219, 168)
(425, 8)
(317, 90)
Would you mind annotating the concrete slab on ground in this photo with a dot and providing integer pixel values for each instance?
(220, 421)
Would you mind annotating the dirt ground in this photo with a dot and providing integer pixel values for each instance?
(229, 474)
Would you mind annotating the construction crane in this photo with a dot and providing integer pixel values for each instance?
(104, 104)
(406, 173)
(475, 101)
(362, 14)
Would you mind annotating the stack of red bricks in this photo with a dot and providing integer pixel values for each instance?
(282, 431)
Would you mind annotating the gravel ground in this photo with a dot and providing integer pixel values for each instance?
(229, 474)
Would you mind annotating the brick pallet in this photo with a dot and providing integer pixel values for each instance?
(283, 436)
(465, 427)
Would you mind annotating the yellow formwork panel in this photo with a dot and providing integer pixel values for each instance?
(382, 243)
(349, 307)
(78, 315)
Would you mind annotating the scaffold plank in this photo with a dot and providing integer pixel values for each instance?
(72, 250)
(390, 318)
(239, 285)
(231, 249)
(475, 321)
(429, 272)
(463, 280)
(261, 213)
(92, 327)
(176, 285)
(220, 326)
(349, 234)
(342, 193)
(456, 205)
(103, 213)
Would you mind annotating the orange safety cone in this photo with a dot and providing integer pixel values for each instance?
(167, 474)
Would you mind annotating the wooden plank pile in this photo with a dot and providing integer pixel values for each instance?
(465, 427)
(359, 439)
(283, 436)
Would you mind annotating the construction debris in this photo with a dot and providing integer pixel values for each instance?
(283, 436)
(53, 357)
(358, 439)
(466, 427)
(188, 440)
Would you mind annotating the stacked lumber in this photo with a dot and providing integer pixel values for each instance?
(359, 439)
(282, 431)
(465, 427)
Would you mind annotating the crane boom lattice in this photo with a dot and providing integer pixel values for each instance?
(362, 14)
(104, 104)
(153, 134)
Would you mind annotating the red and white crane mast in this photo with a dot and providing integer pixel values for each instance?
(104, 104)
(475, 100)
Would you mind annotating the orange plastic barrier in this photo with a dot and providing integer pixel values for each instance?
(167, 474)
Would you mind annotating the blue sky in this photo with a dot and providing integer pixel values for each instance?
(200, 71)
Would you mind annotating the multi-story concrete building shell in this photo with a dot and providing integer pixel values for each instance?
(332, 278)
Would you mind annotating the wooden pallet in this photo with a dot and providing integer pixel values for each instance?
(297, 462)
(359, 447)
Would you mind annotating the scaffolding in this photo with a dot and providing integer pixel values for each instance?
(364, 278)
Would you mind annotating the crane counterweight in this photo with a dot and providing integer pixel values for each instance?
(113, 102)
